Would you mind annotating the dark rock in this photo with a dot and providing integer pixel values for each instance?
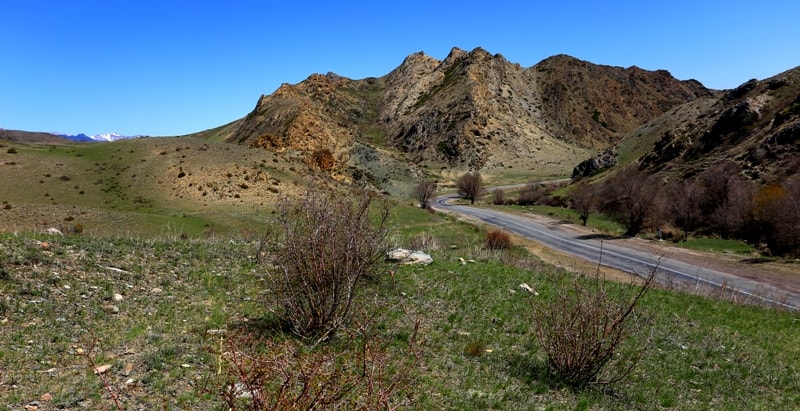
(607, 158)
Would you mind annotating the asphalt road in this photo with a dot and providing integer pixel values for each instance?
(611, 254)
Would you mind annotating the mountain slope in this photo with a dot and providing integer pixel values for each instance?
(472, 110)
(756, 125)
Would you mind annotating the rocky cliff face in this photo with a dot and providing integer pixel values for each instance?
(757, 125)
(471, 110)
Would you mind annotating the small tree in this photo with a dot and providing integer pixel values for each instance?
(322, 247)
(583, 200)
(631, 196)
(470, 186)
(424, 192)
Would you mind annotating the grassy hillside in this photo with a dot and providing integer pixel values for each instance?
(479, 353)
(149, 186)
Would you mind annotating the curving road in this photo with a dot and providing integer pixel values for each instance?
(594, 249)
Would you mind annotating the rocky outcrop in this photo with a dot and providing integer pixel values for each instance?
(606, 159)
(756, 125)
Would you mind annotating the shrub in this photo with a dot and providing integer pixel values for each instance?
(322, 246)
(581, 328)
(360, 372)
(497, 240)
(499, 197)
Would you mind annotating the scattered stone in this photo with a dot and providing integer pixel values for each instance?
(130, 381)
(53, 231)
(186, 365)
(113, 309)
(102, 369)
(46, 397)
(79, 351)
(118, 297)
(115, 269)
(156, 291)
(67, 287)
(526, 287)
(127, 370)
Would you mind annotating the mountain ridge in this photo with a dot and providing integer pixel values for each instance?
(471, 110)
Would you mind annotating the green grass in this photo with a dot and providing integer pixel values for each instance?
(716, 245)
(478, 353)
(597, 221)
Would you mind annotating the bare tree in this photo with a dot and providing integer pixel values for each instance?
(470, 186)
(631, 196)
(424, 192)
(583, 199)
(684, 204)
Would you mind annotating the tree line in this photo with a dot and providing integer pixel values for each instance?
(720, 201)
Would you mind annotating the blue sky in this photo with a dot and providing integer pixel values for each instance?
(175, 67)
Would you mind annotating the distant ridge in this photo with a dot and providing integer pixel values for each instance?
(106, 137)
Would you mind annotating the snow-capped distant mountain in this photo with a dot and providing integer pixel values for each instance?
(100, 137)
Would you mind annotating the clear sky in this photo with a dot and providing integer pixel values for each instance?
(176, 67)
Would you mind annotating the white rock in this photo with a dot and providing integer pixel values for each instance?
(404, 256)
(526, 287)
(118, 297)
(53, 231)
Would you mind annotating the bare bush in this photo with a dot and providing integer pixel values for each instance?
(323, 245)
(424, 192)
(582, 326)
(497, 240)
(470, 186)
(363, 371)
(499, 197)
(532, 194)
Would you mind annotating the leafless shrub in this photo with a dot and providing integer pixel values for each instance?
(531, 194)
(582, 326)
(497, 240)
(499, 197)
(363, 368)
(323, 246)
(363, 371)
